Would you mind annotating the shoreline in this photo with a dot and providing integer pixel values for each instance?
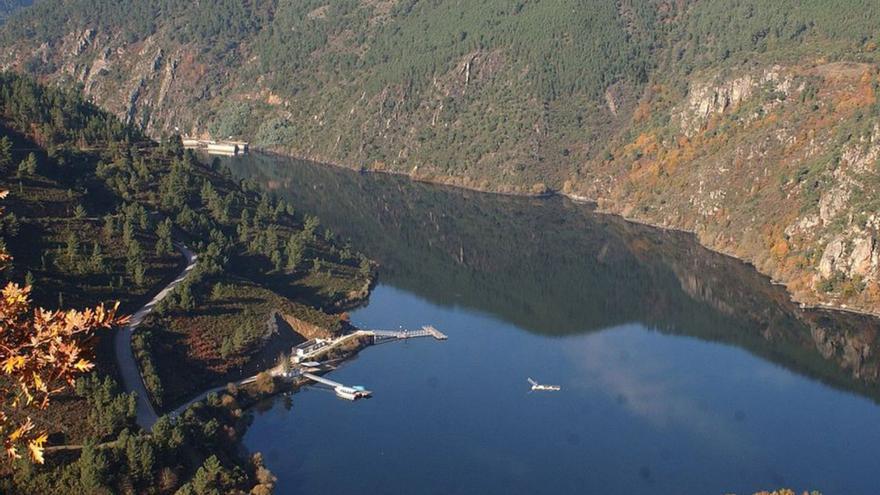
(581, 200)
(237, 378)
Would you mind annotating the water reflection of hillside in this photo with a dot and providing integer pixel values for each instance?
(556, 268)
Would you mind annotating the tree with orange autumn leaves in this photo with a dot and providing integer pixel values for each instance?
(41, 353)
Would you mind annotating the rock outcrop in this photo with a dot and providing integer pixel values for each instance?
(769, 160)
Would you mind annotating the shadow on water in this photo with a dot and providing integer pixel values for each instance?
(557, 268)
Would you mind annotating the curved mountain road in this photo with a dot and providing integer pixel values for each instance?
(132, 381)
(200, 397)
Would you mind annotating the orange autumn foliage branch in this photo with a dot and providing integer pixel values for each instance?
(41, 353)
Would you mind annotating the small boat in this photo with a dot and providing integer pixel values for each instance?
(549, 388)
(352, 393)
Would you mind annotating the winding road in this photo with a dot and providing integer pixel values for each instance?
(132, 381)
(200, 397)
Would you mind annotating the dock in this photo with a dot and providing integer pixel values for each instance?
(342, 391)
(381, 336)
(307, 357)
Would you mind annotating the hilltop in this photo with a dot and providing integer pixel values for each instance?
(753, 124)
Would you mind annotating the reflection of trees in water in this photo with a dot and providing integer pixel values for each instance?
(556, 268)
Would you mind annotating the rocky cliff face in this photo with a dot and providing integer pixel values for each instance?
(137, 81)
(778, 166)
(708, 99)
(151, 83)
(773, 161)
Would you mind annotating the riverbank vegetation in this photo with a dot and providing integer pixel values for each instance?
(94, 214)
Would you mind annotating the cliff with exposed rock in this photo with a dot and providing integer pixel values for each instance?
(753, 125)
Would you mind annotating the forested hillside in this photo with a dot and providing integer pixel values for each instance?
(8, 7)
(748, 122)
(96, 213)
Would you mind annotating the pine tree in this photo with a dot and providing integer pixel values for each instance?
(294, 251)
(109, 230)
(310, 226)
(186, 302)
(5, 152)
(139, 273)
(210, 478)
(71, 251)
(164, 245)
(140, 458)
(96, 260)
(142, 217)
(128, 233)
(134, 263)
(30, 164)
(93, 469)
(244, 227)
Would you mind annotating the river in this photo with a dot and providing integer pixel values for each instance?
(682, 371)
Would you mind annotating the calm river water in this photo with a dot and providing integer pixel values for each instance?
(682, 371)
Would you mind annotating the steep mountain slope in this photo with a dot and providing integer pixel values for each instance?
(751, 123)
(8, 7)
(482, 90)
(93, 213)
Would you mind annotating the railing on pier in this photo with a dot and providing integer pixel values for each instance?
(385, 335)
(320, 379)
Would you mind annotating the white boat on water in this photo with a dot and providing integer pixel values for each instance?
(352, 393)
(549, 388)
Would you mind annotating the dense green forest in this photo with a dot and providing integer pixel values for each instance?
(640, 105)
(93, 214)
(570, 47)
(8, 7)
(486, 75)
(630, 103)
